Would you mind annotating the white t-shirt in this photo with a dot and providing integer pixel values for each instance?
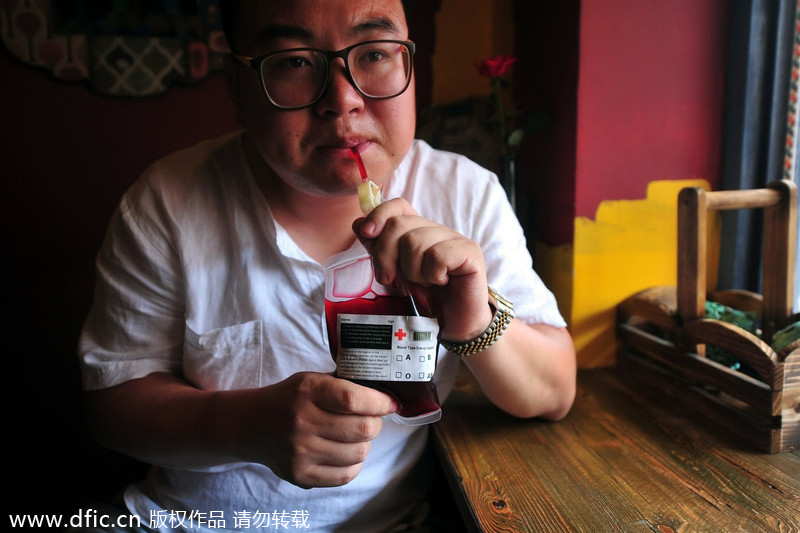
(196, 278)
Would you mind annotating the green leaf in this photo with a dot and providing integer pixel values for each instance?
(786, 336)
(746, 321)
(515, 138)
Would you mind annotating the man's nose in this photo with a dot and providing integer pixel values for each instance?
(340, 96)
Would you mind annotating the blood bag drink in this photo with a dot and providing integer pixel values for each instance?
(382, 337)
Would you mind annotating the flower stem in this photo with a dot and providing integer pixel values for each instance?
(499, 112)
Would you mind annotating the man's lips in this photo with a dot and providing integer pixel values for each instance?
(344, 147)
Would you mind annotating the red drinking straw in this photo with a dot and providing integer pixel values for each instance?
(360, 163)
(401, 282)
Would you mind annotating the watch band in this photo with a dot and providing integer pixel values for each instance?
(503, 311)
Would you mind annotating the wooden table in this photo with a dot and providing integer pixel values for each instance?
(622, 460)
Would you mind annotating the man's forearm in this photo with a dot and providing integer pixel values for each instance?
(162, 420)
(529, 372)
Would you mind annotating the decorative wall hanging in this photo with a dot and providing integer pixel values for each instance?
(120, 47)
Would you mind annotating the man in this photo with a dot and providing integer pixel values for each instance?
(205, 353)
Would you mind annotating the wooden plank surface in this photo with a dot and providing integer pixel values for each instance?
(622, 460)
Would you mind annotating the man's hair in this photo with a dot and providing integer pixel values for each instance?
(229, 11)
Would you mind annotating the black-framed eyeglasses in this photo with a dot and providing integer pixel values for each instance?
(299, 77)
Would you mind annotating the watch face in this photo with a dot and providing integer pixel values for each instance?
(502, 301)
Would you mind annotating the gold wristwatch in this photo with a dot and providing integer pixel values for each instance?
(503, 311)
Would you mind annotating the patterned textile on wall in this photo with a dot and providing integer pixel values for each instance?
(120, 47)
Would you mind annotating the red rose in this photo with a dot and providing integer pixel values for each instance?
(496, 66)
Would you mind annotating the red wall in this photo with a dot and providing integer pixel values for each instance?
(69, 153)
(634, 92)
(650, 96)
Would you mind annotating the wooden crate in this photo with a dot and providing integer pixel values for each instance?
(664, 333)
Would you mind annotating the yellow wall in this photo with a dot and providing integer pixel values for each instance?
(629, 246)
(467, 31)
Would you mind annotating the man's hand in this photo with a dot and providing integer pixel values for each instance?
(530, 371)
(405, 245)
(319, 428)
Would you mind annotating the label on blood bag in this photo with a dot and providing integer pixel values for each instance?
(387, 347)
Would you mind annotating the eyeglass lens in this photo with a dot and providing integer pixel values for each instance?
(297, 78)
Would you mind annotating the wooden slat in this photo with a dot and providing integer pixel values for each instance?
(790, 401)
(780, 242)
(694, 369)
(656, 305)
(692, 253)
(694, 401)
(740, 299)
(788, 350)
(742, 344)
(742, 199)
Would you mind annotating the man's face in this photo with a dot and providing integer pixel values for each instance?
(310, 148)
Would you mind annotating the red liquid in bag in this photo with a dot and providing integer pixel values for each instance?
(416, 398)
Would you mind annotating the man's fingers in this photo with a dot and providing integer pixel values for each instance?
(373, 224)
(345, 397)
(330, 465)
(329, 476)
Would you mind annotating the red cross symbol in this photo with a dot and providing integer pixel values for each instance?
(401, 334)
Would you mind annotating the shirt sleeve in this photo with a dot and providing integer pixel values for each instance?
(135, 324)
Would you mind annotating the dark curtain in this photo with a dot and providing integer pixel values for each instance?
(759, 80)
